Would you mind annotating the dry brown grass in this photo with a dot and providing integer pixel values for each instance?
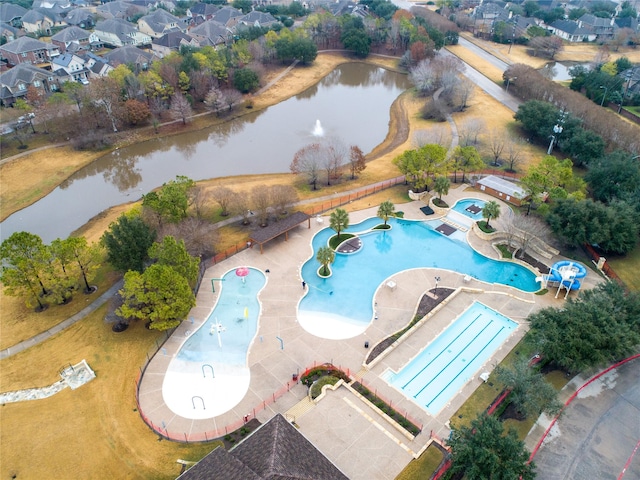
(93, 432)
(20, 323)
(571, 52)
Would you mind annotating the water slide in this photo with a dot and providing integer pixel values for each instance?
(566, 274)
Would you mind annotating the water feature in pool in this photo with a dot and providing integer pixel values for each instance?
(341, 306)
(209, 374)
(441, 369)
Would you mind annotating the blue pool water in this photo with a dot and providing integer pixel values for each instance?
(436, 374)
(462, 205)
(237, 310)
(347, 296)
(209, 375)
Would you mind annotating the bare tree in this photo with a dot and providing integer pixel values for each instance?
(282, 198)
(200, 236)
(513, 152)
(357, 161)
(463, 92)
(260, 202)
(199, 198)
(230, 98)
(307, 161)
(104, 93)
(214, 100)
(334, 153)
(424, 77)
(201, 83)
(469, 131)
(225, 197)
(497, 144)
(180, 108)
(522, 230)
(438, 135)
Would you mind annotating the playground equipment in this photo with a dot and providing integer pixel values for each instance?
(565, 274)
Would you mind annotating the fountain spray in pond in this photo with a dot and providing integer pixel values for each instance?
(318, 131)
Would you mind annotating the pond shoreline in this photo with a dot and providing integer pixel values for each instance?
(22, 185)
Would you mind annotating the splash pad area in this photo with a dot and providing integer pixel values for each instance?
(209, 375)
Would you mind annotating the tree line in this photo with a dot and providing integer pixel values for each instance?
(215, 79)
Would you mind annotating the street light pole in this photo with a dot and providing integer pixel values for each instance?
(509, 80)
(605, 94)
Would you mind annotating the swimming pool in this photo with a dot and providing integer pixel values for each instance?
(341, 306)
(470, 207)
(209, 374)
(440, 370)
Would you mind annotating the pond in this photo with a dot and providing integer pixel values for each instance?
(352, 103)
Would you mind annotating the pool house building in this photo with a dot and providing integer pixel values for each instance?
(503, 189)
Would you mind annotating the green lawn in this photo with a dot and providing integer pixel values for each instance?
(627, 268)
(635, 110)
(422, 467)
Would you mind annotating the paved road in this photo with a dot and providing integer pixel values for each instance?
(496, 91)
(486, 56)
(598, 431)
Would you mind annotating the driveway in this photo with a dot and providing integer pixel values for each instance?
(596, 435)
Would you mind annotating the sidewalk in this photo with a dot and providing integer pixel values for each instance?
(42, 336)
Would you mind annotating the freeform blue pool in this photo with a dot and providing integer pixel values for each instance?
(346, 298)
(440, 370)
(209, 375)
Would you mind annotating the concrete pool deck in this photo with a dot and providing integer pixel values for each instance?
(341, 425)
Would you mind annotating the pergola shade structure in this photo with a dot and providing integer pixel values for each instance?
(263, 235)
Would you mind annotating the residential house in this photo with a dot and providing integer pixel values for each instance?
(57, 6)
(15, 82)
(119, 9)
(28, 50)
(201, 12)
(118, 33)
(9, 32)
(155, 4)
(345, 7)
(171, 42)
(12, 14)
(275, 450)
(159, 23)
(572, 31)
(488, 11)
(80, 17)
(130, 55)
(96, 65)
(602, 27)
(211, 33)
(69, 67)
(228, 16)
(74, 38)
(258, 19)
(41, 21)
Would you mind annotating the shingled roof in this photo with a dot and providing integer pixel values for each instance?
(271, 231)
(275, 451)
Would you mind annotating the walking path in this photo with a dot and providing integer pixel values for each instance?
(42, 336)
